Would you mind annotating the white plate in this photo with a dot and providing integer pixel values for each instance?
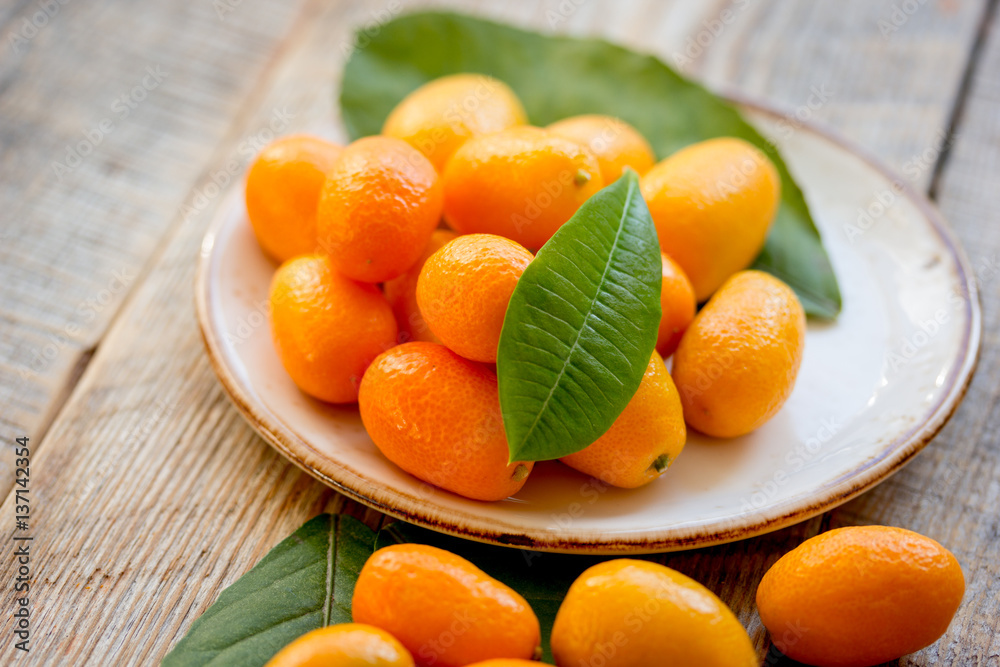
(874, 388)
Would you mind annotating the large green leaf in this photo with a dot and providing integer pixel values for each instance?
(557, 77)
(304, 583)
(581, 326)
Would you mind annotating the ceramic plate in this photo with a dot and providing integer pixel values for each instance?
(874, 388)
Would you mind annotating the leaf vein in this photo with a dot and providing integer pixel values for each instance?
(331, 547)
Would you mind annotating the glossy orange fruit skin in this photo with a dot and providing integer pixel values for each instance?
(381, 201)
(678, 303)
(444, 609)
(522, 183)
(860, 596)
(506, 662)
(646, 438)
(401, 293)
(713, 203)
(464, 289)
(616, 144)
(327, 328)
(283, 187)
(441, 115)
(344, 645)
(737, 363)
(437, 416)
(635, 613)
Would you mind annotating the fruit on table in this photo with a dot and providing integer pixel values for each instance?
(678, 305)
(282, 193)
(713, 203)
(380, 203)
(327, 328)
(401, 293)
(344, 645)
(464, 289)
(645, 439)
(615, 143)
(860, 596)
(439, 116)
(437, 416)
(444, 609)
(522, 183)
(737, 363)
(635, 613)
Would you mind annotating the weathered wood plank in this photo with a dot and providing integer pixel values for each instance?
(105, 107)
(156, 488)
(152, 494)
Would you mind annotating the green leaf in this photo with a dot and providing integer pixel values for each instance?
(581, 326)
(556, 77)
(541, 578)
(304, 583)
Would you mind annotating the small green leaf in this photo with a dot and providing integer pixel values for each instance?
(304, 583)
(556, 77)
(581, 326)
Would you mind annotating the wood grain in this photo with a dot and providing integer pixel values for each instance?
(110, 112)
(151, 494)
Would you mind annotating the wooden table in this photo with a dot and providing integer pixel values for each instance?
(149, 492)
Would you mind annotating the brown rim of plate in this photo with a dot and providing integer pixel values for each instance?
(408, 507)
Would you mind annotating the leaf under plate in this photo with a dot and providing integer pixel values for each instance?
(556, 77)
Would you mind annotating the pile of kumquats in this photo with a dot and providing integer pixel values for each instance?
(401, 252)
(399, 256)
